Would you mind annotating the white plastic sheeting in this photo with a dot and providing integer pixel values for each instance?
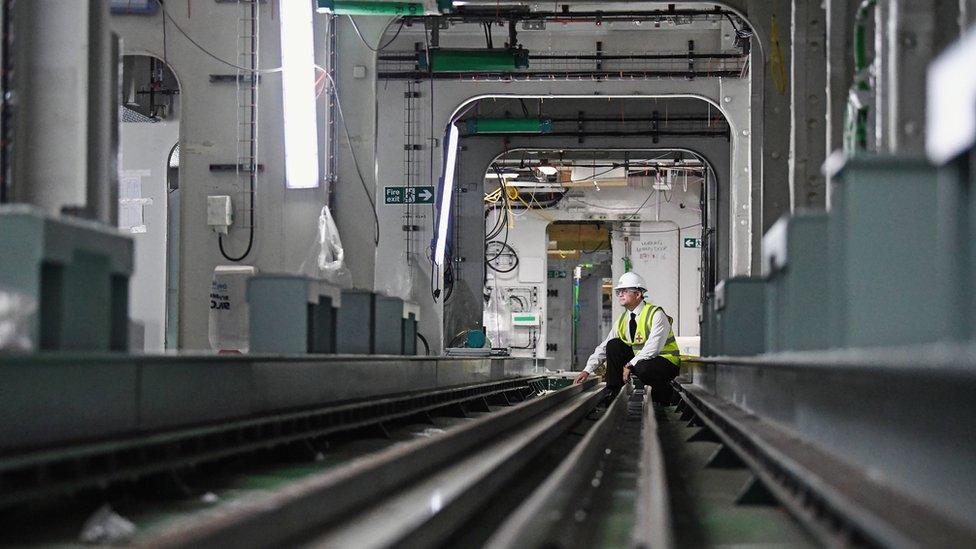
(106, 526)
(17, 312)
(327, 260)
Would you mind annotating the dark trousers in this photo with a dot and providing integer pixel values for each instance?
(656, 372)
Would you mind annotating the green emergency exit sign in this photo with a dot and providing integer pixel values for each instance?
(692, 242)
(409, 195)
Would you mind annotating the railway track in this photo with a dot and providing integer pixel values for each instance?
(503, 464)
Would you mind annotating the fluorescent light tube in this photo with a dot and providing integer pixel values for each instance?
(298, 95)
(447, 192)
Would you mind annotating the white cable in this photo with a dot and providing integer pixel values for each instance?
(380, 48)
(166, 14)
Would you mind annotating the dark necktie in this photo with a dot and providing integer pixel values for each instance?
(633, 325)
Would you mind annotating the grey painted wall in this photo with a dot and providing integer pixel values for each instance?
(286, 220)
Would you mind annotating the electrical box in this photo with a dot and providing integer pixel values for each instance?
(707, 328)
(882, 236)
(740, 317)
(354, 323)
(388, 325)
(64, 283)
(411, 317)
(292, 314)
(219, 213)
(526, 319)
(794, 260)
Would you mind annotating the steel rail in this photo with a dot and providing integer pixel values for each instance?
(652, 521)
(839, 504)
(428, 514)
(332, 495)
(532, 522)
(31, 475)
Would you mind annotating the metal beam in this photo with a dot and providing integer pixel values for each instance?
(77, 466)
(653, 524)
(915, 403)
(838, 503)
(285, 515)
(532, 522)
(808, 95)
(42, 405)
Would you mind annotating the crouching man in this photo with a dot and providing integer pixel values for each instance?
(640, 343)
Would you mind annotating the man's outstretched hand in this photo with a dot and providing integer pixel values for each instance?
(581, 377)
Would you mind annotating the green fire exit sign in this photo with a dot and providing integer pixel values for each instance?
(692, 242)
(409, 195)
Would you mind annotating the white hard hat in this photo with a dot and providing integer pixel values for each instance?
(630, 280)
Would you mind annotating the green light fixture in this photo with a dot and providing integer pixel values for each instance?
(474, 60)
(476, 126)
(364, 7)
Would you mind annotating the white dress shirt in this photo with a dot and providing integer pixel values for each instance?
(660, 328)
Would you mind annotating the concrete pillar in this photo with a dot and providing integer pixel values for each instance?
(101, 199)
(62, 102)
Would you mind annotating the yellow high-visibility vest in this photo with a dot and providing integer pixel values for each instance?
(670, 350)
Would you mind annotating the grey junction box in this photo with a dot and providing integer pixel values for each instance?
(355, 326)
(388, 326)
(795, 265)
(706, 321)
(291, 314)
(371, 323)
(411, 316)
(71, 277)
(884, 266)
(740, 316)
(957, 243)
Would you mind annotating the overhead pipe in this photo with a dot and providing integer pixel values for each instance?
(549, 75)
(491, 12)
